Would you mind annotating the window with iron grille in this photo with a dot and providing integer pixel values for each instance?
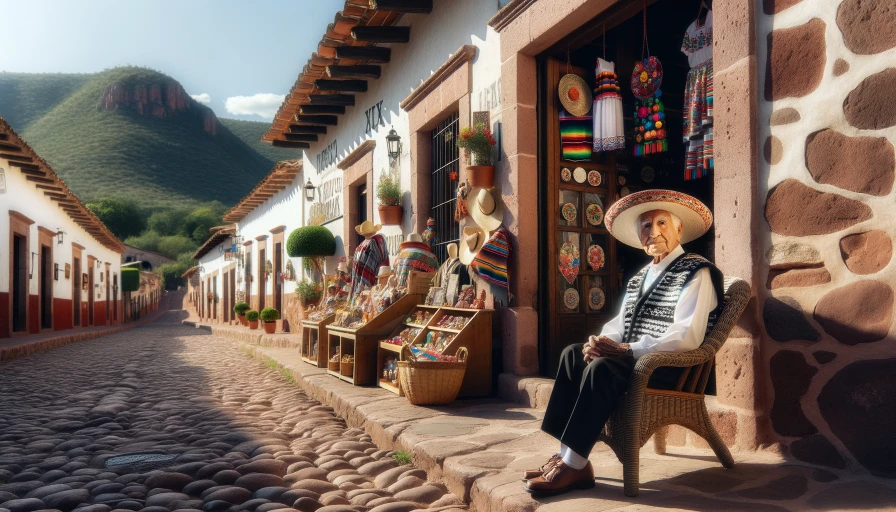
(443, 189)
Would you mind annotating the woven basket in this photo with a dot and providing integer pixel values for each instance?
(431, 382)
(333, 367)
(347, 369)
(419, 282)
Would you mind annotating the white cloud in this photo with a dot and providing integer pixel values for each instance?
(263, 105)
(203, 98)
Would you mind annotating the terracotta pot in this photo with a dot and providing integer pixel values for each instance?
(270, 327)
(253, 324)
(242, 319)
(391, 215)
(481, 175)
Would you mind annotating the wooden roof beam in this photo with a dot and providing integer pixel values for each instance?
(341, 85)
(10, 147)
(346, 100)
(298, 137)
(55, 187)
(300, 128)
(360, 71)
(38, 179)
(324, 120)
(30, 170)
(382, 34)
(377, 54)
(290, 144)
(321, 109)
(17, 158)
(403, 6)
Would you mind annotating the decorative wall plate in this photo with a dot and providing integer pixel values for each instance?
(647, 174)
(571, 298)
(596, 258)
(621, 180)
(647, 77)
(624, 191)
(596, 298)
(595, 214)
(569, 212)
(565, 174)
(569, 261)
(594, 178)
(579, 175)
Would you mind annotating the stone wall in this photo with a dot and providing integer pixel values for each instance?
(827, 127)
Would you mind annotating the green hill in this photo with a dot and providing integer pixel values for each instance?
(134, 134)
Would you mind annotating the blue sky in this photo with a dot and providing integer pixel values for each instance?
(248, 51)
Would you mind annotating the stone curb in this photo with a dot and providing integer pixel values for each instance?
(256, 337)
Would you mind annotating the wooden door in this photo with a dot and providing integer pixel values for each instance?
(569, 321)
(76, 291)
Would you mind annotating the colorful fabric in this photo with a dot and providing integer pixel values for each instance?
(414, 256)
(650, 126)
(575, 136)
(490, 264)
(370, 255)
(698, 101)
(609, 133)
(697, 43)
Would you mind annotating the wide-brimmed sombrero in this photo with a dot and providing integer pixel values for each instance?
(622, 218)
(574, 94)
(368, 228)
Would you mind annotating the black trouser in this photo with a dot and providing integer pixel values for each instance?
(585, 395)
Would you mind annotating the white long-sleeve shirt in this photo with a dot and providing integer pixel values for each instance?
(697, 300)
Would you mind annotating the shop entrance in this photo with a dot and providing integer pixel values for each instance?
(46, 287)
(577, 185)
(19, 283)
(76, 291)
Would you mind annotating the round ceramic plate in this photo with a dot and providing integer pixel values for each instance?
(569, 212)
(579, 175)
(565, 174)
(595, 214)
(571, 298)
(624, 191)
(647, 174)
(594, 178)
(596, 299)
(596, 258)
(620, 180)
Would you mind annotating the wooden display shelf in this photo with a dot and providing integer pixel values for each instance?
(315, 332)
(388, 350)
(362, 342)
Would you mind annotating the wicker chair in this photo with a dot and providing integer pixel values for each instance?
(646, 411)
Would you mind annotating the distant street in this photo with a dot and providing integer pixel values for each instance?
(209, 429)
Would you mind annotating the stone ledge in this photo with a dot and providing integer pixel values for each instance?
(252, 337)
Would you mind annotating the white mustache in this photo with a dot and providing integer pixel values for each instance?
(652, 241)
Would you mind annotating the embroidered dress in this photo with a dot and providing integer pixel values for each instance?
(575, 136)
(698, 95)
(607, 111)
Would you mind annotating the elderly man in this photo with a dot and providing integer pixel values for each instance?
(668, 307)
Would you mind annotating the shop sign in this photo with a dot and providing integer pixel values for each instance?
(374, 116)
(490, 96)
(327, 157)
(2, 180)
(329, 208)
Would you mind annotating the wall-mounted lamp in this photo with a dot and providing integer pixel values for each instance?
(56, 271)
(309, 190)
(59, 236)
(99, 263)
(393, 143)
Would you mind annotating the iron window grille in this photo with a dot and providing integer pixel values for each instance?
(443, 189)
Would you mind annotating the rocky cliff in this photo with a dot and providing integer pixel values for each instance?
(160, 100)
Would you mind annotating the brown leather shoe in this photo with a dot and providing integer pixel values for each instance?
(535, 473)
(562, 478)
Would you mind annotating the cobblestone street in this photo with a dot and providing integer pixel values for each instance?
(243, 436)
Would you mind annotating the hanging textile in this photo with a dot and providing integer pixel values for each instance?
(650, 113)
(609, 133)
(697, 114)
(370, 255)
(575, 136)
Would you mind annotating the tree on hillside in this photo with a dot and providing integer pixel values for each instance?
(168, 222)
(200, 220)
(122, 218)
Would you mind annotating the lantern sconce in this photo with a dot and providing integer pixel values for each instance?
(60, 234)
(393, 143)
(309, 190)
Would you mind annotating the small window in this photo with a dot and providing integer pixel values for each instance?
(443, 185)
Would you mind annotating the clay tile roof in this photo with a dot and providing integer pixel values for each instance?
(190, 271)
(21, 155)
(278, 179)
(220, 234)
(355, 13)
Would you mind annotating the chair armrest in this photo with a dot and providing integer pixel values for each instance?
(649, 362)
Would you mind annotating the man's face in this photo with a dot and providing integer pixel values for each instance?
(658, 233)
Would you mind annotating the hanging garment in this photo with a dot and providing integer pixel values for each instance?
(697, 115)
(490, 264)
(698, 101)
(370, 255)
(609, 133)
(575, 136)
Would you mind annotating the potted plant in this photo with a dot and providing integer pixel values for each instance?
(252, 318)
(313, 243)
(477, 142)
(309, 292)
(388, 193)
(240, 309)
(269, 316)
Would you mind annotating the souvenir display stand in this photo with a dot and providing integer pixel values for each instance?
(361, 342)
(475, 335)
(312, 334)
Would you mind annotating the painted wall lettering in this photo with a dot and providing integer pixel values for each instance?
(374, 116)
(327, 157)
(490, 96)
(329, 207)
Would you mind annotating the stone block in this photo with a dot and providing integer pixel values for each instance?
(784, 320)
(773, 150)
(866, 253)
(795, 209)
(519, 81)
(519, 130)
(791, 377)
(867, 27)
(802, 47)
(785, 115)
(860, 312)
(736, 373)
(859, 164)
(734, 28)
(869, 106)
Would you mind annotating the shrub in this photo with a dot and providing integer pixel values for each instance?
(240, 308)
(175, 245)
(269, 315)
(388, 192)
(148, 240)
(477, 141)
(252, 315)
(121, 217)
(130, 279)
(311, 241)
(308, 291)
(171, 274)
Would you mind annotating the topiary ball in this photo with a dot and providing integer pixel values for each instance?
(311, 241)
(252, 315)
(269, 315)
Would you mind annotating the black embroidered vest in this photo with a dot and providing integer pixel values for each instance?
(653, 311)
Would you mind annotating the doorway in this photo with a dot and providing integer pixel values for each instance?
(278, 282)
(46, 287)
(20, 284)
(225, 298)
(262, 286)
(90, 292)
(232, 292)
(76, 291)
(106, 296)
(213, 302)
(115, 298)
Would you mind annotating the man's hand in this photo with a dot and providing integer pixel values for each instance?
(602, 346)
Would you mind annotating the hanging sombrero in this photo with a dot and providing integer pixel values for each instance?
(575, 95)
(647, 77)
(621, 219)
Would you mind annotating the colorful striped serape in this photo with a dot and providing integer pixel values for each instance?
(370, 255)
(576, 136)
(414, 256)
(490, 264)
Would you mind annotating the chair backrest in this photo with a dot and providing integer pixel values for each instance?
(737, 295)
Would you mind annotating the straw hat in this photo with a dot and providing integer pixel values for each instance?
(472, 239)
(342, 267)
(414, 237)
(486, 208)
(622, 218)
(575, 95)
(385, 271)
(368, 228)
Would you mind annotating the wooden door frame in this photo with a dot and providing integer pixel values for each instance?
(18, 225)
(91, 301)
(107, 293)
(262, 253)
(277, 263)
(76, 285)
(45, 238)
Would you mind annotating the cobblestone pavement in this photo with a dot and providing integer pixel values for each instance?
(244, 437)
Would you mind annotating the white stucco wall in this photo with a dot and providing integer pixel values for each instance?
(22, 196)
